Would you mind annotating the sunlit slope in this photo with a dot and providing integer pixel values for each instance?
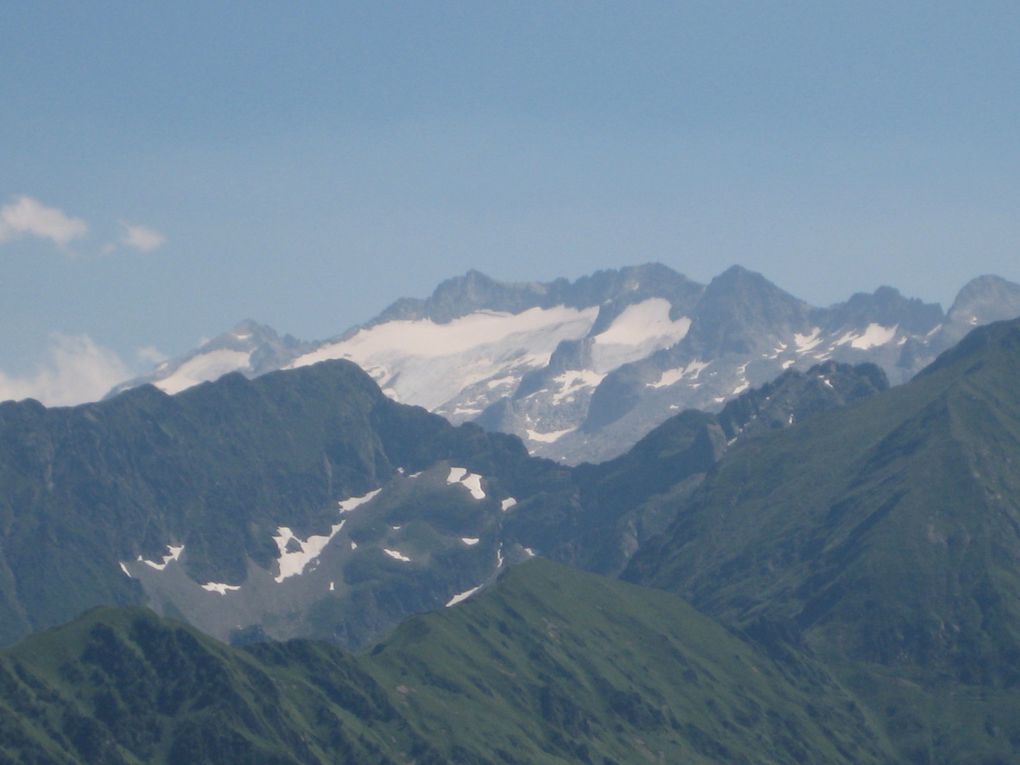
(884, 537)
(550, 666)
(889, 530)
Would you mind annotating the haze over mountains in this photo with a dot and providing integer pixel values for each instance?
(581, 370)
(851, 545)
(854, 565)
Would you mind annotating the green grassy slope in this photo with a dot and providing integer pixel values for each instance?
(617, 506)
(886, 537)
(550, 666)
(557, 666)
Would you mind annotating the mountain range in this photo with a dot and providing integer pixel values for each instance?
(306, 503)
(581, 370)
(823, 568)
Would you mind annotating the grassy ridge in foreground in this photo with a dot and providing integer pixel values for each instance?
(550, 666)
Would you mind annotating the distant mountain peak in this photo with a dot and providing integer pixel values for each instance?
(580, 369)
(987, 293)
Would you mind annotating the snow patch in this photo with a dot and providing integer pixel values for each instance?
(396, 555)
(548, 438)
(346, 505)
(294, 563)
(469, 541)
(430, 364)
(126, 572)
(210, 365)
(673, 376)
(462, 596)
(507, 503)
(573, 381)
(470, 481)
(639, 330)
(874, 336)
(175, 553)
(805, 343)
(221, 588)
(500, 382)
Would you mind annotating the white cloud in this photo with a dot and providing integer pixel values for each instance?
(76, 370)
(141, 238)
(150, 355)
(26, 216)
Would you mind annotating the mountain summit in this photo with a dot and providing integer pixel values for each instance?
(580, 370)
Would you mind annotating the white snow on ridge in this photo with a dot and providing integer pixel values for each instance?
(428, 364)
(673, 376)
(175, 553)
(500, 382)
(873, 336)
(204, 367)
(743, 383)
(550, 437)
(470, 481)
(125, 570)
(462, 596)
(221, 588)
(575, 380)
(346, 505)
(639, 330)
(294, 563)
(805, 343)
(469, 541)
(397, 555)
(507, 503)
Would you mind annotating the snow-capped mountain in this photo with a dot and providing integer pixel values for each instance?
(581, 370)
(250, 348)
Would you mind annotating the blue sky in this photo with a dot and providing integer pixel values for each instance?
(170, 169)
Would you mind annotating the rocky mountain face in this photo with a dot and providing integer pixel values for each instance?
(299, 503)
(306, 503)
(606, 512)
(581, 370)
